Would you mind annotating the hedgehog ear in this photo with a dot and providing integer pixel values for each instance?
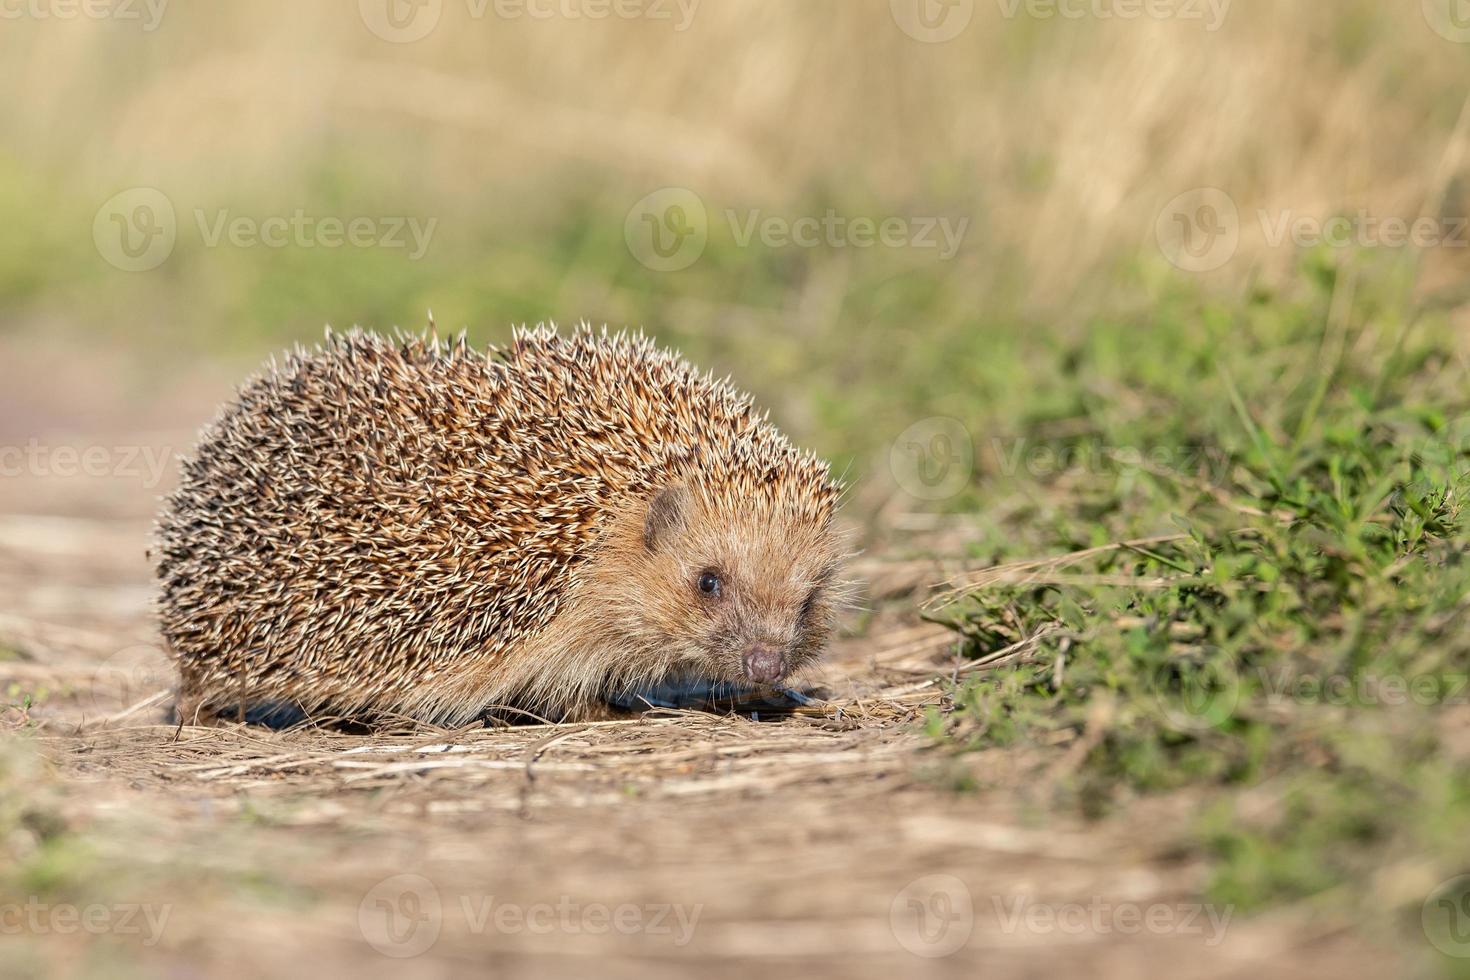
(665, 516)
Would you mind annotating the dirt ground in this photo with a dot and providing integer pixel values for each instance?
(831, 842)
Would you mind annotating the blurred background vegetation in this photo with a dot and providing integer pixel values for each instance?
(526, 141)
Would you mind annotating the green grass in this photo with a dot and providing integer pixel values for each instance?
(1297, 647)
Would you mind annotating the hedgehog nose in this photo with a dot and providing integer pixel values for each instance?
(765, 664)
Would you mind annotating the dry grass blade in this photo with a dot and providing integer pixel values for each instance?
(1045, 571)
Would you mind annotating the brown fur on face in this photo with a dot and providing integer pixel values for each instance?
(771, 565)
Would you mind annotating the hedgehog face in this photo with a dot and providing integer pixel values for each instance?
(737, 590)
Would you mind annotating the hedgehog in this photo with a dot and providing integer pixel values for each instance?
(406, 527)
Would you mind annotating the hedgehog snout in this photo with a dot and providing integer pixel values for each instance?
(764, 663)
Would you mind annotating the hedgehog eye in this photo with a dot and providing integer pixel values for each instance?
(710, 583)
(807, 607)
